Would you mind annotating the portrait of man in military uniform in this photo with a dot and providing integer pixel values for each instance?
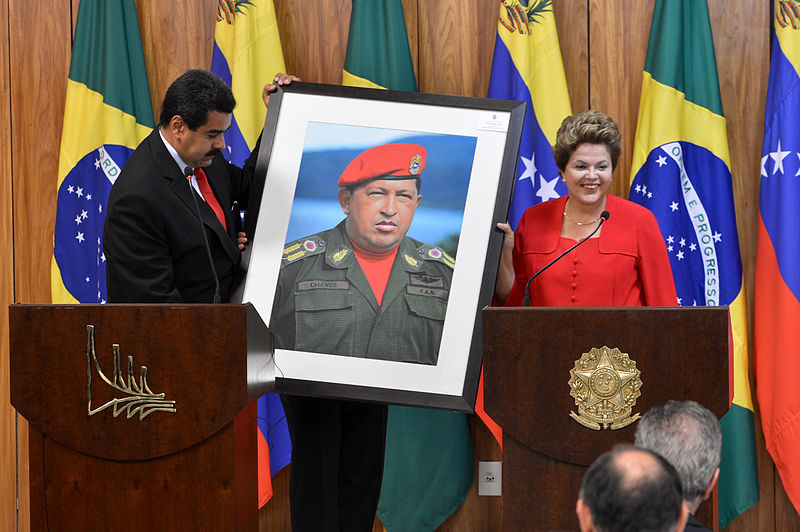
(364, 288)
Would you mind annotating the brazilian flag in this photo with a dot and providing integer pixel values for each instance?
(107, 114)
(429, 468)
(378, 56)
(681, 172)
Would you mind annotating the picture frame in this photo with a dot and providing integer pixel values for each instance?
(311, 134)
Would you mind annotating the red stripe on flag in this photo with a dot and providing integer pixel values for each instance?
(264, 474)
(777, 364)
(495, 429)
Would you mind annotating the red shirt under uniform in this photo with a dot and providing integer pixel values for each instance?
(627, 265)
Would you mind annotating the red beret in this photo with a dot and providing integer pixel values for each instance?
(387, 161)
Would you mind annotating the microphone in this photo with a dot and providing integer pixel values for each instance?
(526, 301)
(188, 173)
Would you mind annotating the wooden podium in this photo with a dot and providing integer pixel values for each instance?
(141, 416)
(681, 353)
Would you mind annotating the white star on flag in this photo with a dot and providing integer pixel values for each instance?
(778, 156)
(530, 168)
(547, 189)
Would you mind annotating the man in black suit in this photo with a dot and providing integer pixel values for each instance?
(154, 242)
(688, 436)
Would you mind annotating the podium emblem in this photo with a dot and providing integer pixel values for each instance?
(137, 398)
(605, 384)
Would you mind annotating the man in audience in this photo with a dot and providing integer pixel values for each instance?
(688, 436)
(631, 489)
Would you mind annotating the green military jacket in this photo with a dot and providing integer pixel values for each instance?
(324, 303)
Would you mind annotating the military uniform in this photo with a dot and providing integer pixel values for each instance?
(324, 303)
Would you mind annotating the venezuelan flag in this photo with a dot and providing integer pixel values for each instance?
(681, 172)
(247, 54)
(428, 467)
(777, 290)
(527, 67)
(107, 114)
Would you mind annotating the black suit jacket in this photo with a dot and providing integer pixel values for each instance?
(153, 238)
(694, 525)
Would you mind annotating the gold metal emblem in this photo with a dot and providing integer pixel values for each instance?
(339, 255)
(605, 384)
(410, 260)
(139, 399)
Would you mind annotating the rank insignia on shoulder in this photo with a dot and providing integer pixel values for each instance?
(437, 254)
(340, 255)
(302, 248)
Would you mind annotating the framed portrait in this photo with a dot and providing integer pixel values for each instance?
(372, 239)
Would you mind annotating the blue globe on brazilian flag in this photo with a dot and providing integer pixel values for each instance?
(681, 172)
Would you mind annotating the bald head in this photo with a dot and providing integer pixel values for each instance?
(629, 489)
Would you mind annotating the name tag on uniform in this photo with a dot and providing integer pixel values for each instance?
(425, 291)
(323, 285)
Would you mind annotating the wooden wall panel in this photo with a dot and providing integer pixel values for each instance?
(456, 42)
(176, 36)
(572, 21)
(38, 73)
(314, 38)
(8, 444)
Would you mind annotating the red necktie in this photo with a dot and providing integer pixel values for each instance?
(208, 194)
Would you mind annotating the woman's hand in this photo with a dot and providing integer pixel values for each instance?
(505, 272)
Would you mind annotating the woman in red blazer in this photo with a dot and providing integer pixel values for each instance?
(625, 263)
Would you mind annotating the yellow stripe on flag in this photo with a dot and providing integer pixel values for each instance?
(94, 123)
(537, 57)
(666, 116)
(742, 395)
(252, 47)
(58, 292)
(790, 44)
(352, 80)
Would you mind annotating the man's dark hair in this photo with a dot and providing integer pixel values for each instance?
(193, 95)
(628, 499)
(689, 437)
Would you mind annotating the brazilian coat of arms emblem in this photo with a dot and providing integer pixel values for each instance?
(605, 384)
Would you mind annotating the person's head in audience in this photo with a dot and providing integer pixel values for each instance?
(688, 436)
(631, 489)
